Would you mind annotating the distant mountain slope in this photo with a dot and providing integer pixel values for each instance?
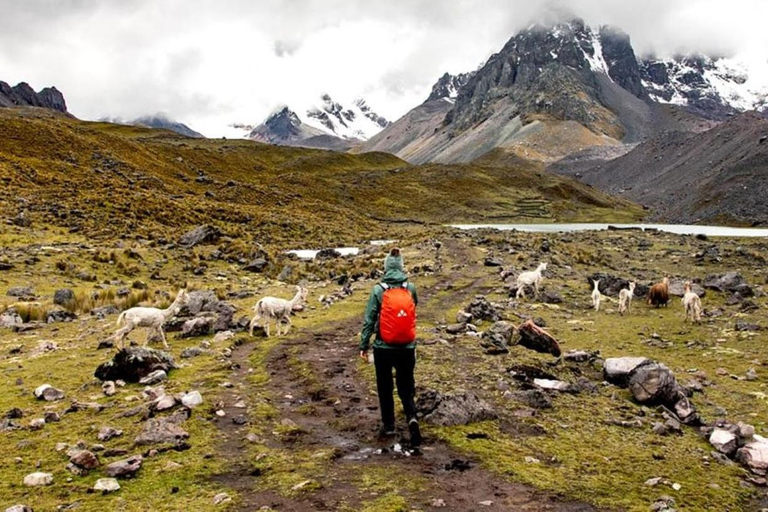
(719, 175)
(23, 95)
(162, 121)
(328, 124)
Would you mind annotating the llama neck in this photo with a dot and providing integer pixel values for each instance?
(171, 310)
(295, 300)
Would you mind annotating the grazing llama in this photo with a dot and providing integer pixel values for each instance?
(625, 299)
(658, 295)
(153, 318)
(596, 295)
(533, 277)
(270, 308)
(692, 304)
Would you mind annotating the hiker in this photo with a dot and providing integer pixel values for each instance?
(391, 316)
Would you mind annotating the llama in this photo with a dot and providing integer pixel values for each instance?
(596, 295)
(270, 308)
(153, 318)
(533, 277)
(692, 304)
(658, 295)
(625, 298)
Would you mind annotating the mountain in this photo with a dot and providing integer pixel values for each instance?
(327, 124)
(715, 176)
(558, 89)
(711, 87)
(161, 121)
(23, 95)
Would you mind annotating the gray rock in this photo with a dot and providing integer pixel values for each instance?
(205, 234)
(19, 508)
(456, 328)
(191, 352)
(453, 409)
(535, 398)
(462, 317)
(728, 282)
(154, 378)
(192, 399)
(724, 441)
(616, 370)
(38, 478)
(496, 339)
(25, 293)
(220, 498)
(10, 318)
(60, 315)
(107, 433)
(165, 402)
(654, 383)
(161, 431)
(108, 388)
(493, 262)
(199, 326)
(134, 363)
(553, 385)
(48, 393)
(52, 417)
(257, 265)
(63, 297)
(106, 485)
(754, 456)
(37, 424)
(481, 309)
(686, 411)
(743, 326)
(125, 468)
(677, 288)
(751, 374)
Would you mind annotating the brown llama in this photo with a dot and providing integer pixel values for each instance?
(658, 295)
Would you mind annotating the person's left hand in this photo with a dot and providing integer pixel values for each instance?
(364, 355)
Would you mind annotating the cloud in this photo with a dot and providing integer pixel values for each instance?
(210, 64)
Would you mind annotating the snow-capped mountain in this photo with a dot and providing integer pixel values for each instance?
(447, 87)
(714, 86)
(326, 124)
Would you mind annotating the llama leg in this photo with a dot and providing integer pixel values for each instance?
(162, 335)
(251, 325)
(266, 327)
(288, 324)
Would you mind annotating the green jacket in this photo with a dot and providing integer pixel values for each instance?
(393, 276)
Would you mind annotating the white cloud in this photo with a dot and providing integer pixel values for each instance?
(210, 64)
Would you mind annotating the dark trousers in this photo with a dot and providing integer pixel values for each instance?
(403, 360)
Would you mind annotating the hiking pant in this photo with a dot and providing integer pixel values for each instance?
(403, 360)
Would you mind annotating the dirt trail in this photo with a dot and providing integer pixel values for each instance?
(319, 372)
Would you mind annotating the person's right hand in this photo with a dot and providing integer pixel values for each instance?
(364, 355)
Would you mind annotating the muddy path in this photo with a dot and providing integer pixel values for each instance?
(324, 394)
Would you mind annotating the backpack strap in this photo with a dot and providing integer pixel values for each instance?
(405, 284)
(384, 286)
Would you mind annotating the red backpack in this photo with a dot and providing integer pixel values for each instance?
(397, 319)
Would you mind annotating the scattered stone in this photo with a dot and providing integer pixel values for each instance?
(155, 377)
(60, 315)
(257, 265)
(493, 262)
(535, 398)
(10, 318)
(51, 417)
(134, 363)
(85, 459)
(729, 282)
(104, 344)
(677, 288)
(553, 385)
(108, 388)
(205, 234)
(23, 293)
(165, 402)
(438, 503)
(754, 455)
(19, 508)
(48, 393)
(653, 482)
(221, 498)
(533, 337)
(63, 297)
(222, 336)
(742, 326)
(192, 399)
(37, 424)
(190, 352)
(14, 413)
(38, 479)
(751, 374)
(161, 431)
(724, 441)
(199, 326)
(550, 297)
(107, 433)
(106, 485)
(653, 383)
(456, 328)
(481, 309)
(664, 504)
(616, 370)
(453, 409)
(125, 468)
(577, 356)
(496, 339)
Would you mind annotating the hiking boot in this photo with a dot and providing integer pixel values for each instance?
(387, 431)
(413, 428)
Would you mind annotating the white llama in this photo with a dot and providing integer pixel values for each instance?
(270, 308)
(153, 318)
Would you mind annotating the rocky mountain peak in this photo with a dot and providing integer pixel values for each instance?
(23, 95)
(448, 86)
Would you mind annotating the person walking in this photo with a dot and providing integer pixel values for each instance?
(390, 317)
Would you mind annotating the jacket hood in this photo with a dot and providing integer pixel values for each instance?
(393, 270)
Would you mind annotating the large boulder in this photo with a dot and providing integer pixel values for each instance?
(63, 297)
(481, 309)
(461, 408)
(161, 431)
(724, 440)
(616, 370)
(134, 363)
(496, 339)
(754, 455)
(612, 285)
(126, 468)
(48, 393)
(327, 254)
(677, 288)
(653, 383)
(38, 479)
(728, 282)
(10, 318)
(198, 326)
(85, 459)
(205, 234)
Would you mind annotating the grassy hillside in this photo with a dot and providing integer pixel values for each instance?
(110, 180)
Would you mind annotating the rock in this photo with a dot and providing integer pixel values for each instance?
(37, 424)
(653, 482)
(532, 337)
(24, 293)
(85, 459)
(106, 485)
(37, 479)
(52, 417)
(205, 234)
(200, 326)
(728, 282)
(456, 328)
(190, 352)
(612, 285)
(664, 504)
(48, 393)
(462, 317)
(496, 339)
(221, 498)
(14, 413)
(327, 254)
(108, 388)
(107, 433)
(685, 410)
(677, 288)
(161, 431)
(104, 311)
(19, 508)
(192, 399)
(165, 402)
(221, 337)
(535, 398)
(493, 262)
(155, 377)
(616, 370)
(751, 374)
(63, 297)
(60, 315)
(551, 297)
(746, 432)
(577, 356)
(724, 441)
(553, 385)
(453, 409)
(10, 318)
(754, 456)
(105, 344)
(481, 309)
(742, 326)
(257, 265)
(125, 468)
(653, 383)
(134, 363)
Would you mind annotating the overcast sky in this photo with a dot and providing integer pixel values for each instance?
(211, 63)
